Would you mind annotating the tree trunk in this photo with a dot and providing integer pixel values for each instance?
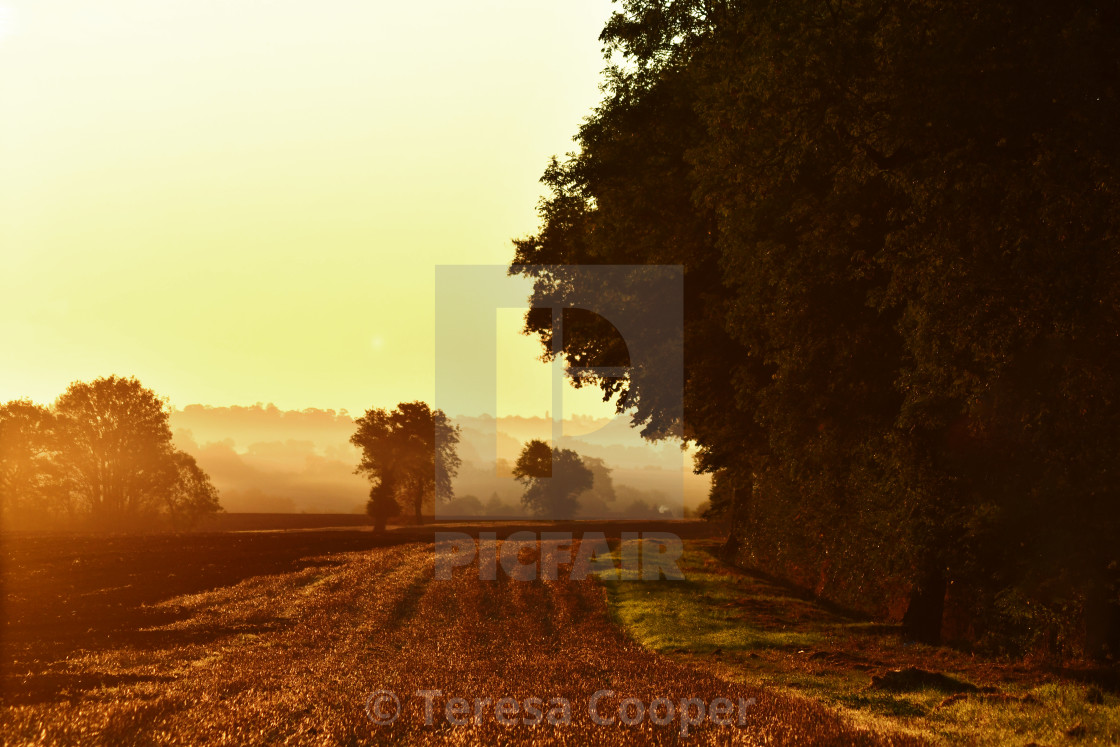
(379, 521)
(922, 621)
(419, 503)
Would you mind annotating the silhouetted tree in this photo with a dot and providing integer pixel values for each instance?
(104, 452)
(898, 223)
(382, 504)
(496, 507)
(115, 446)
(553, 480)
(466, 505)
(412, 450)
(599, 498)
(191, 496)
(31, 485)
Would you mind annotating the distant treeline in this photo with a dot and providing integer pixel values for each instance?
(411, 457)
(899, 224)
(266, 459)
(101, 456)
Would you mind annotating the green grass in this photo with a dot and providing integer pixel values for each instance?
(745, 629)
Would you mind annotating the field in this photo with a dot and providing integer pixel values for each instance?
(286, 637)
(343, 636)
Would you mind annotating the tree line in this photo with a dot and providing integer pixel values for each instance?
(410, 455)
(899, 223)
(101, 455)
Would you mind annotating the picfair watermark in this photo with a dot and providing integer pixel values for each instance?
(528, 556)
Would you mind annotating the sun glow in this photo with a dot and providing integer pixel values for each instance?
(243, 203)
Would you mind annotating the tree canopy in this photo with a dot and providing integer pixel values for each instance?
(103, 452)
(553, 480)
(410, 454)
(30, 476)
(899, 225)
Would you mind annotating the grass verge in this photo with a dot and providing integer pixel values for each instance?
(745, 629)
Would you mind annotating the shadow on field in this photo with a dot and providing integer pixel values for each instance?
(88, 591)
(68, 592)
(51, 687)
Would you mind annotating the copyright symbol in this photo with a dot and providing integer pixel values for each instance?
(383, 707)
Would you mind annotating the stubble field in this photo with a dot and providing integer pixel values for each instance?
(287, 638)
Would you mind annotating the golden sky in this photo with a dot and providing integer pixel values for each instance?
(244, 201)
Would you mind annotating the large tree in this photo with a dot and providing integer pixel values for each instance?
(898, 223)
(553, 480)
(410, 454)
(103, 452)
(115, 445)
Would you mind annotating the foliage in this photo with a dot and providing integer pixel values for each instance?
(193, 495)
(29, 475)
(115, 446)
(553, 480)
(382, 504)
(600, 498)
(103, 452)
(898, 223)
(411, 452)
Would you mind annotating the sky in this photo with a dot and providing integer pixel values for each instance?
(242, 202)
